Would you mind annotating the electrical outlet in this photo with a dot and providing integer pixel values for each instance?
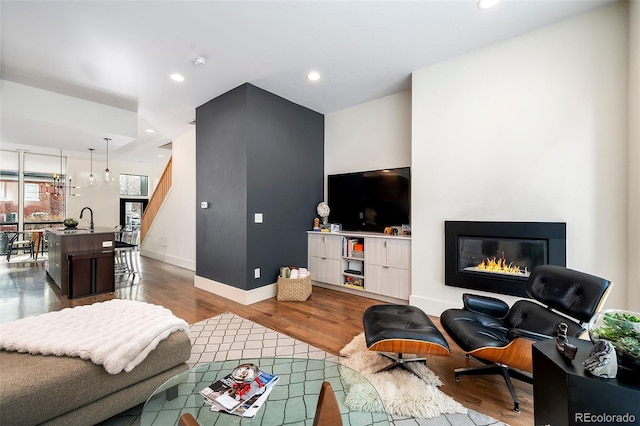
(256, 273)
(257, 218)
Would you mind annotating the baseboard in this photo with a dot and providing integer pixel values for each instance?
(172, 260)
(434, 307)
(245, 297)
(361, 293)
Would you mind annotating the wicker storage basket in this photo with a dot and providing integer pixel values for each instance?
(294, 290)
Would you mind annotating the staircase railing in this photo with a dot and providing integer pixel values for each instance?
(156, 200)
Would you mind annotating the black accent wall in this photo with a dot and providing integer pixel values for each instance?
(255, 153)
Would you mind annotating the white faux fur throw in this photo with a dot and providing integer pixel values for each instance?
(118, 334)
(402, 393)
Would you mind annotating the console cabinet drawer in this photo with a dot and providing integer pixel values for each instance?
(324, 246)
(325, 270)
(389, 252)
(392, 282)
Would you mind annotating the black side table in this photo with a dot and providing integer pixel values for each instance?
(565, 394)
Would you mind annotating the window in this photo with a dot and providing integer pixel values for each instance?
(134, 185)
(44, 190)
(31, 192)
(9, 169)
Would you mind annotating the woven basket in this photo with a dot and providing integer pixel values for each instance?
(294, 290)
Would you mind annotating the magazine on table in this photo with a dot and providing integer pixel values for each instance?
(251, 406)
(242, 399)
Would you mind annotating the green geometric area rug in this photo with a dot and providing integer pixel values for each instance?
(228, 336)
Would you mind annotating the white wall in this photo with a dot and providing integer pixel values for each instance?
(172, 237)
(634, 157)
(103, 198)
(370, 136)
(530, 129)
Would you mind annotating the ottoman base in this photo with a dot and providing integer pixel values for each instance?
(399, 361)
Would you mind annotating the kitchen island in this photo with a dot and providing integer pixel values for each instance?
(81, 260)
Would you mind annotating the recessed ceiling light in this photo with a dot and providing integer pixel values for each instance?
(150, 131)
(176, 77)
(313, 76)
(487, 4)
(160, 156)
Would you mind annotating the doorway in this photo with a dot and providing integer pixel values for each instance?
(131, 210)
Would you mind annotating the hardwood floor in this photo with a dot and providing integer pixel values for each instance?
(328, 320)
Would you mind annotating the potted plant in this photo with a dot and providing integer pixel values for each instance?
(70, 222)
(622, 329)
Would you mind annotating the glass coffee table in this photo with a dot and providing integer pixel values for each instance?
(292, 401)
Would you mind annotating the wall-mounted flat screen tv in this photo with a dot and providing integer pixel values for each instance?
(371, 200)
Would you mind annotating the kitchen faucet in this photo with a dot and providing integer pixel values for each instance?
(91, 220)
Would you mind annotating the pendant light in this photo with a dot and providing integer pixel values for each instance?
(107, 175)
(91, 179)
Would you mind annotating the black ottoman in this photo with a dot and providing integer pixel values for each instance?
(402, 329)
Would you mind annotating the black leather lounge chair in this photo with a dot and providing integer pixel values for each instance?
(501, 337)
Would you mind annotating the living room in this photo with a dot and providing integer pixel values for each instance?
(538, 127)
(521, 102)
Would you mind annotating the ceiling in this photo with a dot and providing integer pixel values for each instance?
(75, 72)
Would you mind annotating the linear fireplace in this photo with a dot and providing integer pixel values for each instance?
(499, 256)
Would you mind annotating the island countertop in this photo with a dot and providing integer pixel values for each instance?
(81, 231)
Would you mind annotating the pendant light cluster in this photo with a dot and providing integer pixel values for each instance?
(107, 175)
(56, 188)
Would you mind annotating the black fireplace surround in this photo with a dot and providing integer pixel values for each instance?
(499, 256)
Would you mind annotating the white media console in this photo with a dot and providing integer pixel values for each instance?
(370, 264)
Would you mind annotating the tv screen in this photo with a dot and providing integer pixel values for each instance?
(371, 200)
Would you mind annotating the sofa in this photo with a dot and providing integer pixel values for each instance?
(59, 390)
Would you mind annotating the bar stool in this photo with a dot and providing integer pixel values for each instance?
(126, 250)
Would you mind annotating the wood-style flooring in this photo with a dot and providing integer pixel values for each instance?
(328, 320)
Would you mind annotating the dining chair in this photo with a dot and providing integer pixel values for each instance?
(20, 240)
(37, 238)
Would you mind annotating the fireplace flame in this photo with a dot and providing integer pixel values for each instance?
(500, 266)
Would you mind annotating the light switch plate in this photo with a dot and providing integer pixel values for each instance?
(204, 205)
(258, 218)
(256, 273)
